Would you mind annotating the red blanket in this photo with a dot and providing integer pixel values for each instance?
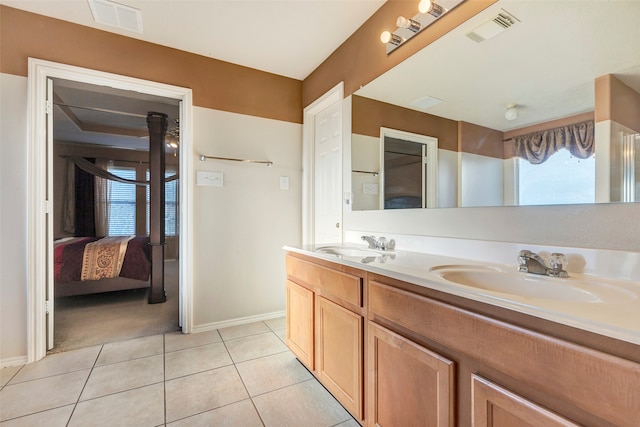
(68, 259)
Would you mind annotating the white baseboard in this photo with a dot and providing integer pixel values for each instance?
(236, 322)
(13, 361)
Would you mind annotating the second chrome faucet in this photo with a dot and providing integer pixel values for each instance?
(531, 262)
(382, 243)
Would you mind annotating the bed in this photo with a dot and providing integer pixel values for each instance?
(88, 265)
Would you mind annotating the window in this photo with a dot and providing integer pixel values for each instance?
(563, 178)
(170, 204)
(122, 206)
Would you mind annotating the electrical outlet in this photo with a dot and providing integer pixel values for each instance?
(284, 182)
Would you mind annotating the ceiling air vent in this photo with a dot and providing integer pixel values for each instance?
(116, 15)
(493, 27)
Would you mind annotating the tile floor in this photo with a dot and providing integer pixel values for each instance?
(238, 376)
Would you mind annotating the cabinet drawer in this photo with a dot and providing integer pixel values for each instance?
(326, 281)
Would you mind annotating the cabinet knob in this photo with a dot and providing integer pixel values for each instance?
(337, 225)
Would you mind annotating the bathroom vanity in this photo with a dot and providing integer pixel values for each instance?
(399, 346)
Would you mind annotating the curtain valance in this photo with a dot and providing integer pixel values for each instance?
(91, 168)
(537, 147)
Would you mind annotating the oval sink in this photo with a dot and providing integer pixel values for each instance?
(351, 251)
(532, 286)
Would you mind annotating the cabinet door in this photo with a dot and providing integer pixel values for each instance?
(299, 322)
(408, 384)
(497, 407)
(339, 355)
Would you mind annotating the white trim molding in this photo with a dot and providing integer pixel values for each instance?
(39, 72)
(237, 322)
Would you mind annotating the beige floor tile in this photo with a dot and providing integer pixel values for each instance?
(306, 404)
(237, 414)
(58, 417)
(180, 341)
(123, 376)
(282, 334)
(194, 394)
(196, 359)
(41, 394)
(240, 331)
(137, 348)
(276, 324)
(7, 373)
(139, 407)
(59, 363)
(255, 346)
(271, 373)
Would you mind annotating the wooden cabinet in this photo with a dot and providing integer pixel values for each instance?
(397, 354)
(325, 327)
(494, 406)
(551, 375)
(299, 323)
(408, 385)
(340, 353)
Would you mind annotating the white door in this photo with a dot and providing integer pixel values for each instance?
(328, 174)
(49, 214)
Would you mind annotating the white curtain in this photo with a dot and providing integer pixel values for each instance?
(102, 199)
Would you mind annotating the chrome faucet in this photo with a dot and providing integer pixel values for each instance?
(530, 262)
(382, 243)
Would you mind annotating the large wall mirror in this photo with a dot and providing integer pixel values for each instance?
(531, 102)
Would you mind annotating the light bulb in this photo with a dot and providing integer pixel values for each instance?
(428, 6)
(387, 37)
(409, 24)
(512, 112)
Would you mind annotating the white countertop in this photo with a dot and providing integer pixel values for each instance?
(619, 318)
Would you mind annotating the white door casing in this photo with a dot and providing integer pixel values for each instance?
(49, 215)
(322, 200)
(429, 169)
(39, 177)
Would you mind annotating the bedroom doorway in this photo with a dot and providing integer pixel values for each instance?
(73, 97)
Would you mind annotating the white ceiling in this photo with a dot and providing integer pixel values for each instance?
(286, 37)
(546, 63)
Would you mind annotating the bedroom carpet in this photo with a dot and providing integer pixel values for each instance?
(88, 320)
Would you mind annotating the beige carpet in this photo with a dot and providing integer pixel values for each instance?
(88, 320)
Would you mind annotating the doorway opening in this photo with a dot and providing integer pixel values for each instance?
(88, 104)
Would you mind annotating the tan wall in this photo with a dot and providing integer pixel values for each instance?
(216, 84)
(617, 102)
(480, 140)
(369, 115)
(362, 57)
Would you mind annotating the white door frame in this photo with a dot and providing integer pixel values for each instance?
(333, 95)
(430, 144)
(39, 72)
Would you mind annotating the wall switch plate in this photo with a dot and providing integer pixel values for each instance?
(284, 182)
(370, 188)
(211, 179)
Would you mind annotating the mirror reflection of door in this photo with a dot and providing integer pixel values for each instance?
(409, 170)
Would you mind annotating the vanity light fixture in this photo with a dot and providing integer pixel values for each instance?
(511, 112)
(428, 13)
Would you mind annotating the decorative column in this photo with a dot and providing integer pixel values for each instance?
(157, 123)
